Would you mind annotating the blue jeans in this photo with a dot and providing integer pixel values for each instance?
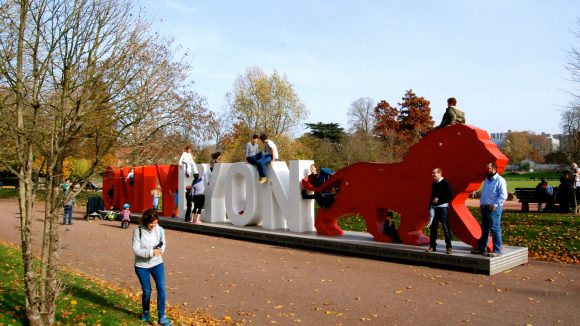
(158, 274)
(490, 222)
(68, 210)
(441, 215)
(261, 162)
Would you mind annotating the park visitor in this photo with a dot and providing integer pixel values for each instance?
(252, 147)
(68, 206)
(126, 213)
(440, 198)
(262, 159)
(390, 229)
(156, 193)
(198, 197)
(452, 115)
(149, 246)
(186, 162)
(189, 203)
(214, 160)
(316, 178)
(493, 195)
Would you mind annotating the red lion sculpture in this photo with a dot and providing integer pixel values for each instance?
(371, 189)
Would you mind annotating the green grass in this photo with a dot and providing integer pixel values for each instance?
(549, 237)
(83, 301)
(8, 192)
(552, 175)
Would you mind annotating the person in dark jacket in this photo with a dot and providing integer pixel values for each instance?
(440, 198)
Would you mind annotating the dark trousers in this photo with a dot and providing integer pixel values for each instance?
(441, 216)
(188, 212)
(198, 201)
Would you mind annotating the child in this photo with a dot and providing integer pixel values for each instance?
(390, 229)
(189, 201)
(126, 216)
(176, 202)
(156, 193)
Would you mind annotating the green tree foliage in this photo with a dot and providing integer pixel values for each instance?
(265, 104)
(331, 131)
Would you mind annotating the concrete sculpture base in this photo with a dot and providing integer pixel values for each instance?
(363, 245)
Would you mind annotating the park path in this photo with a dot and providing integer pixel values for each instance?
(264, 284)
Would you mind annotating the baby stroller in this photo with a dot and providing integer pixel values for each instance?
(126, 216)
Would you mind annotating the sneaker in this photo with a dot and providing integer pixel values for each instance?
(477, 252)
(431, 249)
(145, 316)
(263, 180)
(493, 254)
(164, 321)
(449, 251)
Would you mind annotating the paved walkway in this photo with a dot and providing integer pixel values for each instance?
(264, 284)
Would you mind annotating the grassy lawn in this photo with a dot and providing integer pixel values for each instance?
(85, 301)
(549, 237)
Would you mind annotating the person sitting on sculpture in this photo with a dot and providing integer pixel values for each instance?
(262, 159)
(544, 194)
(214, 160)
(453, 115)
(390, 229)
(315, 179)
(186, 161)
(131, 176)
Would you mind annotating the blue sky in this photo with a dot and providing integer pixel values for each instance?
(504, 60)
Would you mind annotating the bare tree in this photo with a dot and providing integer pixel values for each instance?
(571, 116)
(77, 75)
(361, 115)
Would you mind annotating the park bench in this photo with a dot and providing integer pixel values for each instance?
(527, 196)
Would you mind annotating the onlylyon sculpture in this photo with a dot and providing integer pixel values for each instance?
(373, 189)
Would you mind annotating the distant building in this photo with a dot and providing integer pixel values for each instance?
(499, 138)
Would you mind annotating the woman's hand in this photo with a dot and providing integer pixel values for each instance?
(157, 252)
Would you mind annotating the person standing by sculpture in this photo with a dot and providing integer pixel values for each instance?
(262, 159)
(440, 198)
(453, 115)
(198, 197)
(493, 195)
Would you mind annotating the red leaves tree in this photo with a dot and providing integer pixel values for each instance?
(399, 128)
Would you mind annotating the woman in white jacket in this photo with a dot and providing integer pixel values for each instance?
(149, 245)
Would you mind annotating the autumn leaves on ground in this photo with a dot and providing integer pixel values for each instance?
(85, 300)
